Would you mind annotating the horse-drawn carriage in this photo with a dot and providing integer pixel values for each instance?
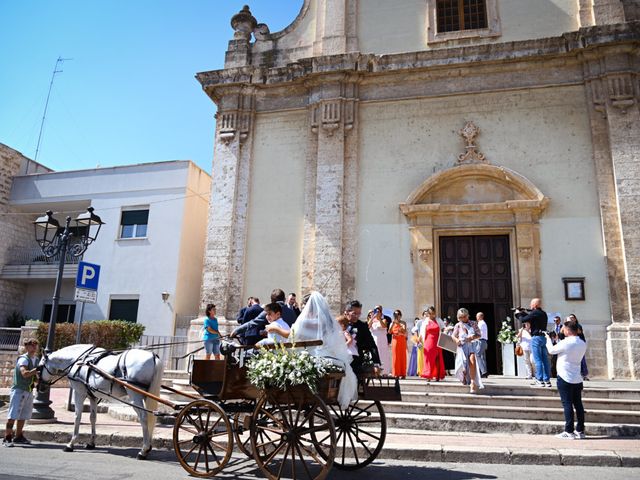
(290, 432)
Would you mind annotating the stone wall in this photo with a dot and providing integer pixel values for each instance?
(15, 229)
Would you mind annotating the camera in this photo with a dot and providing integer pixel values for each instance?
(519, 312)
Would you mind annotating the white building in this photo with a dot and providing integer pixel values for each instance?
(152, 242)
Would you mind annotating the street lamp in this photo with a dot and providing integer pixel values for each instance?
(53, 243)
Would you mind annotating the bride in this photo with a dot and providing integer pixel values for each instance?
(315, 322)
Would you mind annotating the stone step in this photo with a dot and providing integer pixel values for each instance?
(440, 423)
(522, 388)
(515, 413)
(550, 401)
(175, 374)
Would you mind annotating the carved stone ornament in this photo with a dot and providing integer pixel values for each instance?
(425, 254)
(243, 23)
(621, 91)
(471, 155)
(525, 252)
(332, 114)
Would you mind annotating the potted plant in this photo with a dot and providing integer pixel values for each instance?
(507, 337)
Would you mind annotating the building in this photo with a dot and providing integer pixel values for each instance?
(152, 242)
(469, 153)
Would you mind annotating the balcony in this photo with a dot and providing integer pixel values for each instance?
(28, 263)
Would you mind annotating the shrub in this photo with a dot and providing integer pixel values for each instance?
(108, 334)
(15, 319)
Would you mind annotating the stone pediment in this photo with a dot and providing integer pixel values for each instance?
(474, 188)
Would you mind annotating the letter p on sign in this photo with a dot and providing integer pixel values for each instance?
(88, 276)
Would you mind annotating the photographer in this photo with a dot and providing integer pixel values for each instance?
(537, 319)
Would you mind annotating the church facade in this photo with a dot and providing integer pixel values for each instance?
(460, 153)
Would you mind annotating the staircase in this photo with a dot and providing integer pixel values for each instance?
(506, 405)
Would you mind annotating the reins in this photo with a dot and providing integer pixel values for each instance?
(66, 370)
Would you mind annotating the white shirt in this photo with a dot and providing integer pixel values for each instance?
(273, 337)
(570, 352)
(525, 340)
(484, 331)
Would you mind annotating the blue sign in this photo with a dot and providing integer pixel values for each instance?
(88, 275)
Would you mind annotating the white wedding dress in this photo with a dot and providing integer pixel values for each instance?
(316, 323)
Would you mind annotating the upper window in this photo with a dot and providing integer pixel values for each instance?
(454, 15)
(124, 309)
(134, 223)
(453, 20)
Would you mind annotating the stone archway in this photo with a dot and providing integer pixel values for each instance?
(476, 199)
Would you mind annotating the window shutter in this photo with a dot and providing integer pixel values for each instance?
(135, 217)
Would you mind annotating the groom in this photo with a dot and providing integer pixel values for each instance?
(360, 333)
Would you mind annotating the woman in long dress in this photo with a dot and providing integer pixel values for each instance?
(466, 333)
(316, 323)
(412, 369)
(398, 331)
(433, 359)
(378, 327)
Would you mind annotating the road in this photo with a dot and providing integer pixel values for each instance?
(48, 462)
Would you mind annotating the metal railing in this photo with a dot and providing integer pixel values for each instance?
(170, 349)
(34, 256)
(9, 339)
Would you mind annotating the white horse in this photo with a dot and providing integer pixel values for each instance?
(140, 368)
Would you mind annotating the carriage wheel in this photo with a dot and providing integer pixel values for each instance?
(241, 422)
(282, 438)
(202, 438)
(361, 429)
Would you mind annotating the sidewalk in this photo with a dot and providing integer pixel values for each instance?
(399, 445)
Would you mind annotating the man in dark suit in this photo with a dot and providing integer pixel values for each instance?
(253, 310)
(360, 333)
(253, 331)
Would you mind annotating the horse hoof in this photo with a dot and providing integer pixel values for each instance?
(141, 456)
(67, 448)
(90, 446)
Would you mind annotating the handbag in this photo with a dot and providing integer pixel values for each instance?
(519, 350)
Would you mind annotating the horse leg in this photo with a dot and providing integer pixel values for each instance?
(138, 400)
(78, 400)
(93, 414)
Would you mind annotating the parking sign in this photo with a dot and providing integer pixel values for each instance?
(88, 276)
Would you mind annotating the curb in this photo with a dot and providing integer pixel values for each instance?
(424, 453)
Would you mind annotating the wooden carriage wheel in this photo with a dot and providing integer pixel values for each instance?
(241, 422)
(282, 437)
(361, 429)
(202, 438)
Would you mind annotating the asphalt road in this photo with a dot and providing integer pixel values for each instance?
(48, 462)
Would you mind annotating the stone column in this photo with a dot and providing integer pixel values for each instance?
(613, 86)
(332, 167)
(227, 228)
(608, 12)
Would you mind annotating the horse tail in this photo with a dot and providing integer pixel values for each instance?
(154, 389)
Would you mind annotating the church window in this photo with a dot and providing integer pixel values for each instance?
(454, 15)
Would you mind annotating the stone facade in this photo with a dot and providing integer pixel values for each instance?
(384, 174)
(15, 229)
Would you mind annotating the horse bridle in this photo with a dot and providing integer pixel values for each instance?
(66, 371)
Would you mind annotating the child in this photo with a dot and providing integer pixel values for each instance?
(277, 329)
(351, 344)
(21, 398)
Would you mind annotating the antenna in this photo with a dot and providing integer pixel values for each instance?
(59, 61)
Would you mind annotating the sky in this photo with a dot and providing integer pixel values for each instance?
(128, 93)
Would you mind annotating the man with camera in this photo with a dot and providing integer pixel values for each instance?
(537, 319)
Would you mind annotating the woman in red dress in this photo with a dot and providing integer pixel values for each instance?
(433, 359)
(398, 332)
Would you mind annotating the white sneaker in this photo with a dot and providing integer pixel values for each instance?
(579, 435)
(537, 384)
(548, 384)
(566, 436)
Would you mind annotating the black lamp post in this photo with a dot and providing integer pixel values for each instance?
(54, 243)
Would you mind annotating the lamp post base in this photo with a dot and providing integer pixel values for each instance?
(41, 409)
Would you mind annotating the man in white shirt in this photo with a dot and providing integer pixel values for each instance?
(484, 342)
(570, 351)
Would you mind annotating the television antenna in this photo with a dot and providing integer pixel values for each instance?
(59, 62)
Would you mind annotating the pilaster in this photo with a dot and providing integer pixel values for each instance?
(612, 81)
(608, 11)
(227, 227)
(329, 248)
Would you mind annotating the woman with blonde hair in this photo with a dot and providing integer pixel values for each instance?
(466, 333)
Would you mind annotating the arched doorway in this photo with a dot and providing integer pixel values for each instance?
(487, 220)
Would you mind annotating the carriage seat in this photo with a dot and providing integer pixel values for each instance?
(207, 376)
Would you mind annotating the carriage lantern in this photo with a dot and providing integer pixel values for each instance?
(54, 242)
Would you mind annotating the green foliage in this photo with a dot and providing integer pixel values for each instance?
(15, 319)
(108, 334)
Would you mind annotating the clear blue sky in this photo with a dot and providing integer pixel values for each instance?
(129, 95)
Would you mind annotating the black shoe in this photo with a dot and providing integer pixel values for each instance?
(6, 442)
(22, 440)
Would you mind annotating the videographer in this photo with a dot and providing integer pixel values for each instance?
(537, 319)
